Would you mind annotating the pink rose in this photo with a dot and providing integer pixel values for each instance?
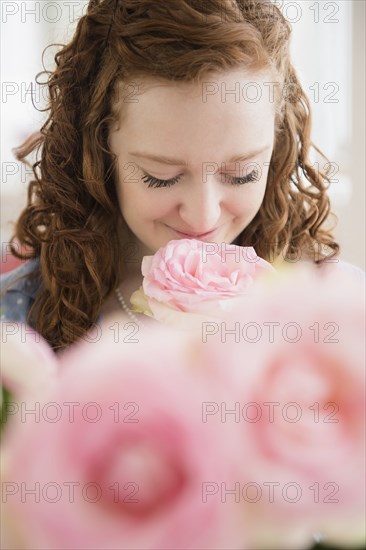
(119, 453)
(296, 358)
(28, 368)
(28, 363)
(189, 280)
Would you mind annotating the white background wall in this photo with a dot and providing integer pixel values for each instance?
(328, 48)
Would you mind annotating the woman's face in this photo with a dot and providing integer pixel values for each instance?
(193, 159)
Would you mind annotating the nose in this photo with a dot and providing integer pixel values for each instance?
(200, 208)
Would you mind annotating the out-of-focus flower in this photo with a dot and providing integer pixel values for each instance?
(28, 364)
(28, 368)
(120, 453)
(296, 360)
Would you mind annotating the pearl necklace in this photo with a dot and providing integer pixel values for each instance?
(121, 300)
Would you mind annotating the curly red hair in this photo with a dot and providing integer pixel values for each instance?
(72, 214)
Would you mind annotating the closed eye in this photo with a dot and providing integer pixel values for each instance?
(156, 182)
(253, 176)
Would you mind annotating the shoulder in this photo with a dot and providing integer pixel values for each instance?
(18, 290)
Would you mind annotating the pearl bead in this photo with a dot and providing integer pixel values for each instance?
(127, 309)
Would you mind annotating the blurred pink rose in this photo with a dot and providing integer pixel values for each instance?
(188, 280)
(123, 464)
(28, 363)
(297, 369)
(28, 368)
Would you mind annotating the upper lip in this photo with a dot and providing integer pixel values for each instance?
(195, 234)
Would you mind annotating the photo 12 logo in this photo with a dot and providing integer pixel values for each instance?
(269, 411)
(90, 412)
(270, 332)
(69, 491)
(270, 492)
(29, 11)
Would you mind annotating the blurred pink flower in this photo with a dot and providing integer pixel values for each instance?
(124, 463)
(297, 369)
(28, 369)
(28, 363)
(189, 280)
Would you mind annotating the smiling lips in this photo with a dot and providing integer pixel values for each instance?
(195, 235)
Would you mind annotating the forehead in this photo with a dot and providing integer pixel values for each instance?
(206, 117)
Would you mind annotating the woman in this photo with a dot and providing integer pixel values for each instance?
(167, 120)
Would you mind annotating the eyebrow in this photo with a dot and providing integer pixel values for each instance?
(179, 162)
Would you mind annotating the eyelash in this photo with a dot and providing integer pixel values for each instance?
(155, 182)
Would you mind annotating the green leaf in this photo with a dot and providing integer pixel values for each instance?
(6, 399)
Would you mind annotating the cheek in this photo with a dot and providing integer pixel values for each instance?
(246, 202)
(138, 201)
(155, 207)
